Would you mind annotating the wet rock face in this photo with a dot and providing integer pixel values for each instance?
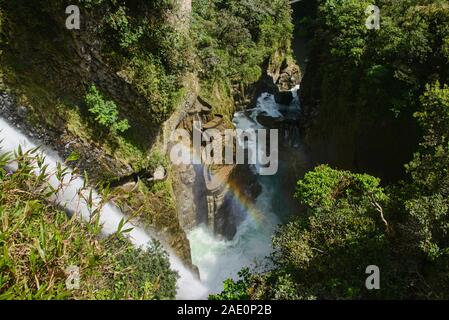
(269, 121)
(188, 182)
(190, 191)
(228, 217)
(278, 81)
(290, 77)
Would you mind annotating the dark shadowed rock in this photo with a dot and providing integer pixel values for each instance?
(283, 97)
(268, 121)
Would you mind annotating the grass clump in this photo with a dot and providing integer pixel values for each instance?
(39, 242)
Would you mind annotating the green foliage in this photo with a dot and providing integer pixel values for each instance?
(235, 290)
(325, 188)
(127, 36)
(234, 38)
(142, 274)
(429, 167)
(105, 112)
(152, 83)
(429, 225)
(368, 82)
(157, 159)
(39, 241)
(347, 20)
(428, 193)
(409, 39)
(350, 222)
(342, 220)
(139, 44)
(150, 52)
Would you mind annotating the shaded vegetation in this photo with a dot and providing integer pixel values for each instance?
(365, 86)
(130, 50)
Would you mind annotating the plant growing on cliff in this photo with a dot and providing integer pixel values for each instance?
(105, 112)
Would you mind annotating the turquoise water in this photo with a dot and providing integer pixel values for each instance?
(219, 259)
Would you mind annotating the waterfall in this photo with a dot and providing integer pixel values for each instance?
(189, 287)
(219, 259)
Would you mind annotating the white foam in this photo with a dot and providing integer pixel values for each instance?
(219, 260)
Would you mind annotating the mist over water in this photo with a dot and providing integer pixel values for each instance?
(219, 260)
(189, 287)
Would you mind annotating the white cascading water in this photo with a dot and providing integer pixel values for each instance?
(189, 287)
(218, 260)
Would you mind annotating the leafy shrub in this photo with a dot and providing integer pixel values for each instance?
(146, 48)
(152, 82)
(105, 112)
(39, 241)
(235, 290)
(126, 34)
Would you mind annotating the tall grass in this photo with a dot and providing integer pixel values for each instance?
(38, 242)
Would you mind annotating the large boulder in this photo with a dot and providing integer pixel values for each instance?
(290, 77)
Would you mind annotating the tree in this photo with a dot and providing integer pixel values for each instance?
(429, 205)
(328, 247)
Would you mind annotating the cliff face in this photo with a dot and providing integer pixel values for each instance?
(335, 131)
(120, 50)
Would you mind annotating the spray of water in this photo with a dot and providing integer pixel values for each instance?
(218, 259)
(189, 287)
